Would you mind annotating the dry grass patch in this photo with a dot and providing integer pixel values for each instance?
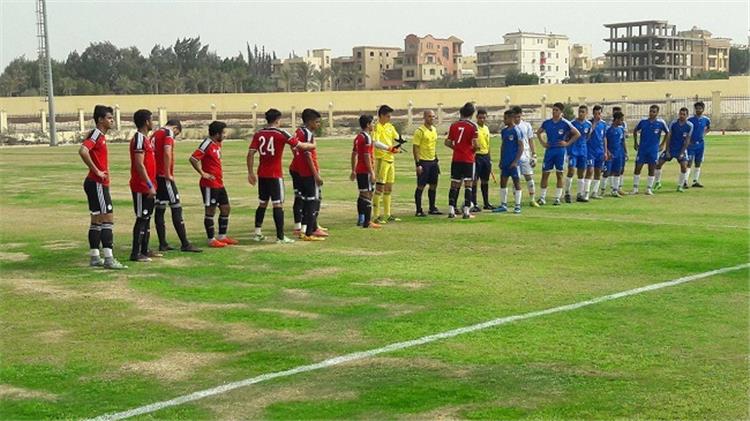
(393, 283)
(318, 272)
(52, 336)
(10, 256)
(290, 313)
(62, 245)
(18, 393)
(174, 367)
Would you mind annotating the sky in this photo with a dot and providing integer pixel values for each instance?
(286, 26)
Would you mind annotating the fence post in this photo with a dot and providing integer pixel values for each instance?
(668, 106)
(581, 100)
(507, 103)
(255, 116)
(3, 121)
(409, 114)
(330, 116)
(81, 121)
(162, 117)
(543, 101)
(213, 112)
(118, 120)
(440, 113)
(44, 121)
(294, 116)
(716, 105)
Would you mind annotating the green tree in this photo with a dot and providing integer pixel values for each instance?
(322, 78)
(739, 61)
(513, 77)
(305, 73)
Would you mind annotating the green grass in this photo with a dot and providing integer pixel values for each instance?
(78, 342)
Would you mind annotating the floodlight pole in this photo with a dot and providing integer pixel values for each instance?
(45, 59)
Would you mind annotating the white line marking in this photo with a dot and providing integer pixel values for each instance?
(402, 345)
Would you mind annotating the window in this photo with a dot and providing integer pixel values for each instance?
(557, 68)
(359, 80)
(360, 67)
(557, 55)
(387, 54)
(446, 52)
(410, 73)
(387, 66)
(372, 53)
(381, 54)
(359, 54)
(432, 72)
(566, 73)
(381, 66)
(566, 61)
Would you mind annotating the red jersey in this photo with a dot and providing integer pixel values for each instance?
(462, 133)
(363, 145)
(209, 154)
(140, 144)
(161, 139)
(299, 159)
(96, 143)
(269, 143)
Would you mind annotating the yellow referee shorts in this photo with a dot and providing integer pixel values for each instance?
(385, 172)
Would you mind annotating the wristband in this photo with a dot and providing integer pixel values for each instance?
(149, 185)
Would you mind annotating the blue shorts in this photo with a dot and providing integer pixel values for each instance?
(616, 164)
(672, 155)
(507, 171)
(644, 156)
(577, 161)
(554, 158)
(695, 154)
(483, 167)
(596, 160)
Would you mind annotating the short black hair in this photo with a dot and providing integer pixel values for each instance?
(467, 110)
(583, 107)
(481, 111)
(308, 115)
(684, 109)
(618, 114)
(216, 127)
(364, 120)
(517, 109)
(559, 106)
(384, 109)
(699, 104)
(614, 109)
(140, 118)
(272, 115)
(175, 123)
(654, 106)
(100, 111)
(508, 113)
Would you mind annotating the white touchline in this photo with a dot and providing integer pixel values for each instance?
(407, 344)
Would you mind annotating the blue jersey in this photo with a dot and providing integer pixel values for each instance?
(595, 142)
(509, 147)
(557, 131)
(616, 141)
(700, 124)
(579, 147)
(681, 132)
(651, 131)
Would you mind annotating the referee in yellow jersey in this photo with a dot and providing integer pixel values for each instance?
(385, 172)
(426, 162)
(483, 162)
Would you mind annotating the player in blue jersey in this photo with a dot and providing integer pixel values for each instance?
(616, 149)
(650, 129)
(596, 154)
(676, 144)
(578, 156)
(511, 151)
(701, 126)
(559, 133)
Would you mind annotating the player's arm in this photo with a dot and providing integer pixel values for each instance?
(518, 154)
(353, 161)
(448, 143)
(474, 142)
(313, 170)
(86, 157)
(539, 132)
(250, 161)
(168, 161)
(368, 164)
(686, 142)
(707, 128)
(195, 162)
(663, 146)
(140, 168)
(574, 135)
(607, 155)
(635, 138)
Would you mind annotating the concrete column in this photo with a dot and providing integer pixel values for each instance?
(294, 117)
(440, 113)
(3, 121)
(507, 103)
(81, 121)
(255, 116)
(118, 120)
(330, 116)
(44, 121)
(715, 105)
(581, 100)
(543, 101)
(668, 106)
(213, 112)
(162, 117)
(409, 113)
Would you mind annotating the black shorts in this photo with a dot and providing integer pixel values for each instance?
(430, 172)
(214, 196)
(363, 182)
(309, 190)
(143, 205)
(462, 171)
(483, 165)
(271, 189)
(296, 183)
(166, 191)
(100, 202)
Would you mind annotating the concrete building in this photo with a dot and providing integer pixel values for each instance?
(319, 59)
(712, 53)
(428, 59)
(581, 60)
(469, 66)
(545, 55)
(651, 50)
(370, 63)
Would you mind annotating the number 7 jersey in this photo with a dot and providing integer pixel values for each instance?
(461, 134)
(269, 143)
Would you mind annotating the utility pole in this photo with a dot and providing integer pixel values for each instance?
(46, 87)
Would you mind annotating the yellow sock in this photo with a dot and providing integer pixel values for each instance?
(376, 204)
(387, 203)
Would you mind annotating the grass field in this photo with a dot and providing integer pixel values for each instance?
(78, 342)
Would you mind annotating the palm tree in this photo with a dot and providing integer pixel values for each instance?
(286, 77)
(305, 72)
(343, 77)
(323, 78)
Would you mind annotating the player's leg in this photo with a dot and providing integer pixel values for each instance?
(95, 228)
(455, 188)
(517, 193)
(484, 178)
(681, 178)
(581, 173)
(589, 177)
(637, 173)
(162, 200)
(569, 177)
(698, 158)
(390, 179)
(298, 203)
(651, 176)
(139, 229)
(658, 171)
(421, 183)
(596, 180)
(559, 167)
(148, 211)
(543, 187)
(107, 221)
(224, 211)
(178, 222)
(432, 190)
(276, 194)
(468, 193)
(309, 210)
(380, 172)
(503, 192)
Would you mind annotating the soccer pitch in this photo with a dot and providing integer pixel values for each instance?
(80, 342)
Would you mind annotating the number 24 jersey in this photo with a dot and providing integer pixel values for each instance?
(269, 143)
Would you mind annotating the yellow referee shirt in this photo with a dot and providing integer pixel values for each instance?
(387, 134)
(483, 139)
(426, 139)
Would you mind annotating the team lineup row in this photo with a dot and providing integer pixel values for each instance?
(592, 148)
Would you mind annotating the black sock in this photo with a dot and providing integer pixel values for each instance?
(452, 196)
(107, 236)
(418, 199)
(223, 224)
(360, 206)
(367, 204)
(179, 225)
(297, 209)
(432, 194)
(486, 193)
(95, 236)
(278, 220)
(468, 193)
(260, 213)
(473, 198)
(161, 230)
(312, 217)
(138, 231)
(146, 235)
(208, 223)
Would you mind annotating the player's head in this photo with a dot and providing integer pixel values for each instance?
(481, 116)
(273, 116)
(176, 126)
(429, 117)
(583, 111)
(597, 111)
(557, 110)
(617, 117)
(699, 107)
(467, 111)
(653, 111)
(508, 118)
(142, 120)
(217, 130)
(103, 117)
(683, 114)
(311, 119)
(384, 113)
(517, 114)
(365, 122)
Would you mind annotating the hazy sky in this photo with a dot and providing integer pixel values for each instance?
(284, 26)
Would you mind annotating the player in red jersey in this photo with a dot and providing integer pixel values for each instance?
(462, 138)
(142, 185)
(93, 152)
(269, 143)
(166, 189)
(363, 170)
(306, 180)
(207, 162)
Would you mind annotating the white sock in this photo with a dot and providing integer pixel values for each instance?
(517, 195)
(558, 193)
(636, 181)
(94, 252)
(681, 179)
(595, 188)
(222, 236)
(697, 175)
(544, 193)
(466, 210)
(531, 186)
(503, 195)
(258, 231)
(304, 228)
(606, 180)
(650, 182)
(687, 174)
(107, 253)
(620, 181)
(568, 184)
(615, 184)
(586, 187)
(298, 225)
(581, 186)
(658, 176)
(451, 210)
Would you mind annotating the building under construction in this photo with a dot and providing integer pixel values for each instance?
(651, 50)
